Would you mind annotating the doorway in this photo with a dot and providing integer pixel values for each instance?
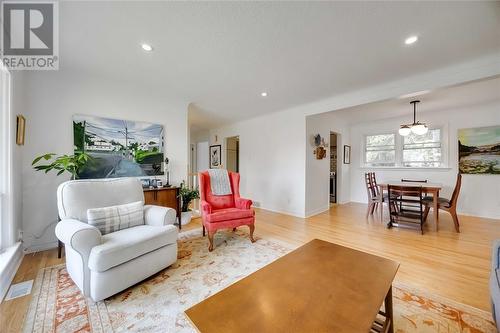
(233, 154)
(333, 167)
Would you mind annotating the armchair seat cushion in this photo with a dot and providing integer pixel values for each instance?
(226, 214)
(124, 245)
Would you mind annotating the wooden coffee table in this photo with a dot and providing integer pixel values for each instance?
(320, 287)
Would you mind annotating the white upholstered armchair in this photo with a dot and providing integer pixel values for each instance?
(100, 264)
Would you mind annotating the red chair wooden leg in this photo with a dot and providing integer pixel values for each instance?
(252, 228)
(210, 241)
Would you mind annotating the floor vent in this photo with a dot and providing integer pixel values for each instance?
(19, 290)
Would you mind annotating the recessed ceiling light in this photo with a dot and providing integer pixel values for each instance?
(263, 94)
(147, 47)
(410, 40)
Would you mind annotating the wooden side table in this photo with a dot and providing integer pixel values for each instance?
(166, 197)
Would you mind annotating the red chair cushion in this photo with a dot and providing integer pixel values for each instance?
(226, 214)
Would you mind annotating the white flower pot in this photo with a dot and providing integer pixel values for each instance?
(186, 217)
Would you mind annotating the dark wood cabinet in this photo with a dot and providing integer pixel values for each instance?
(166, 197)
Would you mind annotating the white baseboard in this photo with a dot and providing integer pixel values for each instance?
(317, 211)
(282, 212)
(37, 247)
(10, 260)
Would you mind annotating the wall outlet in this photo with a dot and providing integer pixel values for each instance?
(20, 235)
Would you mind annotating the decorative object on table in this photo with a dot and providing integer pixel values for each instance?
(224, 211)
(215, 156)
(145, 182)
(416, 127)
(187, 195)
(167, 171)
(347, 154)
(159, 184)
(20, 129)
(479, 150)
(120, 148)
(319, 147)
(72, 164)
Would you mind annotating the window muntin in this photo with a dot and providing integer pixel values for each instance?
(423, 150)
(380, 150)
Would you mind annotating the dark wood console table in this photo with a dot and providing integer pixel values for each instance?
(166, 197)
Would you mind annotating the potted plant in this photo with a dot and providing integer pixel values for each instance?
(64, 163)
(187, 195)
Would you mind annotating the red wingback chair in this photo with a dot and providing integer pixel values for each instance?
(224, 211)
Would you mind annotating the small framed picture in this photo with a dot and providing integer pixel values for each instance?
(215, 156)
(145, 182)
(347, 154)
(21, 125)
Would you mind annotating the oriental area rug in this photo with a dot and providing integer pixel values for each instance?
(158, 303)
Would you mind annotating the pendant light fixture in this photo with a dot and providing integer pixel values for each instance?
(417, 127)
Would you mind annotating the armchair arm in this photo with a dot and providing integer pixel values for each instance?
(495, 255)
(80, 236)
(79, 239)
(158, 215)
(242, 203)
(205, 207)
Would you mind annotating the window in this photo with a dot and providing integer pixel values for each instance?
(412, 151)
(380, 150)
(422, 150)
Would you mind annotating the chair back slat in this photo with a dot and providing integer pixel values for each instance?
(413, 181)
(374, 183)
(369, 187)
(456, 191)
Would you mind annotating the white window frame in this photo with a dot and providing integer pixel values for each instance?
(441, 161)
(6, 143)
(395, 150)
(399, 150)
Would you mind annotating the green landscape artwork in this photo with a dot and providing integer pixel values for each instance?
(479, 150)
(118, 148)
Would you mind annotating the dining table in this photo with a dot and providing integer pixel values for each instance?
(432, 188)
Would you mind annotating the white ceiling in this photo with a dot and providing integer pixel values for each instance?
(221, 55)
(462, 96)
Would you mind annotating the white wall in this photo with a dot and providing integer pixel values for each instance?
(480, 194)
(276, 161)
(202, 154)
(318, 171)
(52, 99)
(272, 161)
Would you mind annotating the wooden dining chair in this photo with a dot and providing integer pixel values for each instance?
(406, 207)
(376, 198)
(449, 206)
(373, 199)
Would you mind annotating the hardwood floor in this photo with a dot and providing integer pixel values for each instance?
(455, 266)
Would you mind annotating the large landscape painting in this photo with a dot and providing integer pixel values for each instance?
(119, 148)
(479, 150)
